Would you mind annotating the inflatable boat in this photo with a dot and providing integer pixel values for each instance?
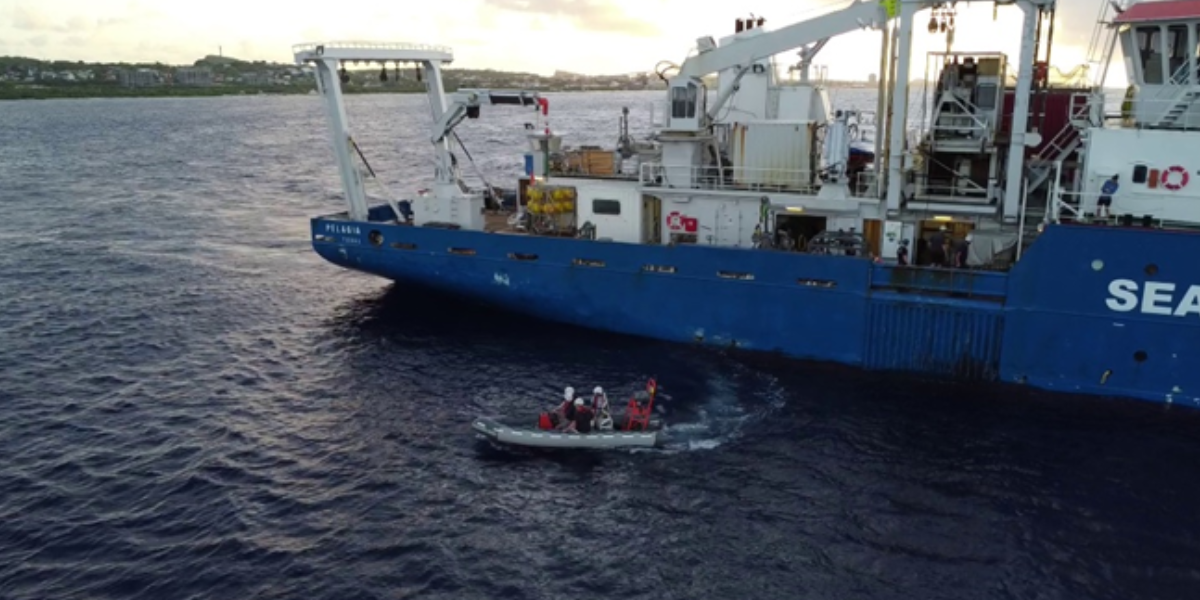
(633, 425)
(530, 435)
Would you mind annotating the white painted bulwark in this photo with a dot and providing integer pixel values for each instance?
(715, 221)
(1144, 191)
(614, 207)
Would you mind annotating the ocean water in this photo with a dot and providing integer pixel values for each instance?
(194, 405)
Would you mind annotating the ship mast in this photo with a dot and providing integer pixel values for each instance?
(1020, 138)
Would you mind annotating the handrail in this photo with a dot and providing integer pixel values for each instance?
(729, 177)
(969, 114)
(1071, 131)
(1171, 90)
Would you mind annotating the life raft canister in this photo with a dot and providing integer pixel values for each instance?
(1168, 181)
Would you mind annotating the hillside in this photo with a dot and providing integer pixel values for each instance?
(24, 77)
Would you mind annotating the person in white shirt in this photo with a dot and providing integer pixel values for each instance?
(603, 417)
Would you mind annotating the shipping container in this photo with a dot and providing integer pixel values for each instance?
(773, 153)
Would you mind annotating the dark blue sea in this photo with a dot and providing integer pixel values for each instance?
(194, 405)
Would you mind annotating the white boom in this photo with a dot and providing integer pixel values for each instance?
(685, 99)
(464, 104)
(860, 14)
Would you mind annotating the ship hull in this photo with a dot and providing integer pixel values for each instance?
(1056, 321)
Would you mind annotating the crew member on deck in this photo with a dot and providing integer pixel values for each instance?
(960, 253)
(1104, 203)
(937, 247)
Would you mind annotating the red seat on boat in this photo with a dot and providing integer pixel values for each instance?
(637, 416)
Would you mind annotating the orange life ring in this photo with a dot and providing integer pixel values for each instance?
(1183, 177)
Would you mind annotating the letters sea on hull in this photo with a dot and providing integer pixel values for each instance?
(1153, 298)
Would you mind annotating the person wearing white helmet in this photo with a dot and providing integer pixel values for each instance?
(558, 417)
(581, 421)
(600, 408)
(567, 408)
(562, 414)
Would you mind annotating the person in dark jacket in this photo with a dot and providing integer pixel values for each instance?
(937, 247)
(961, 251)
(581, 421)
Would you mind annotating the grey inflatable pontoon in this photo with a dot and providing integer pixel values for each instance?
(523, 435)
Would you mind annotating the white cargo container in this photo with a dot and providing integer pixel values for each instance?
(773, 153)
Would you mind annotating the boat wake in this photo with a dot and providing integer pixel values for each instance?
(728, 406)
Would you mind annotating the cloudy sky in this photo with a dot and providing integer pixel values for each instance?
(541, 36)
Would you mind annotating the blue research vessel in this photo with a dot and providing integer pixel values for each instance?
(755, 219)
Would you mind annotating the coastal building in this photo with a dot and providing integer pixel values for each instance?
(139, 77)
(194, 76)
(256, 78)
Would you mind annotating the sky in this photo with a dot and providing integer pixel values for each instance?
(539, 36)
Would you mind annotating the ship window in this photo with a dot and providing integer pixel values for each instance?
(1139, 173)
(1197, 49)
(606, 207)
(683, 102)
(1177, 55)
(985, 96)
(1149, 47)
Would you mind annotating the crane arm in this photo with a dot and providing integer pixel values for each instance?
(743, 52)
(464, 104)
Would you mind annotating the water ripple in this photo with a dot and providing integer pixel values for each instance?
(196, 406)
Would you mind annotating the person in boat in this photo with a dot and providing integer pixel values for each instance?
(562, 414)
(603, 417)
(581, 420)
(902, 253)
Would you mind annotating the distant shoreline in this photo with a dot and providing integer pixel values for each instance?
(10, 91)
(56, 92)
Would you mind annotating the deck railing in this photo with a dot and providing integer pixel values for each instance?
(728, 177)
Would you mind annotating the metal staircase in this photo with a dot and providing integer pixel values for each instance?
(1084, 107)
(1064, 143)
(1184, 98)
